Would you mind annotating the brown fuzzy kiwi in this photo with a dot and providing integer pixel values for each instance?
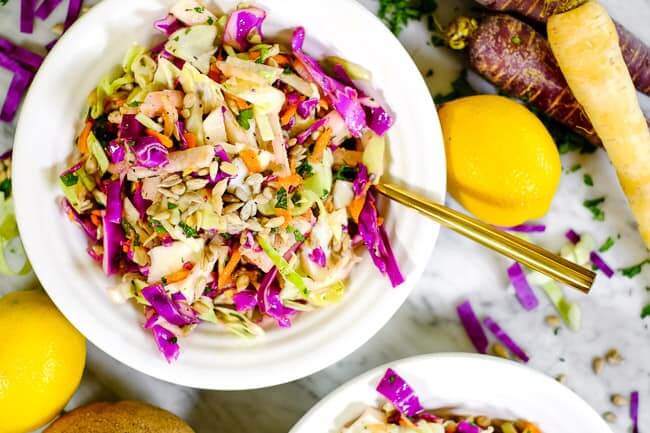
(122, 417)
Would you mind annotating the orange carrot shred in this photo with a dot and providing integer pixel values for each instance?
(356, 206)
(224, 277)
(82, 143)
(251, 160)
(94, 219)
(281, 59)
(190, 139)
(321, 143)
(254, 55)
(284, 213)
(288, 114)
(287, 181)
(164, 140)
(177, 276)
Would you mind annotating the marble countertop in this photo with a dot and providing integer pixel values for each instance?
(457, 270)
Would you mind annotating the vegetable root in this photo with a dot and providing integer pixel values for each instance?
(586, 45)
(518, 60)
(635, 53)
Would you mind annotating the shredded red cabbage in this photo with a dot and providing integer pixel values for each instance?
(27, 8)
(85, 224)
(94, 255)
(303, 136)
(150, 153)
(167, 342)
(17, 88)
(113, 238)
(46, 8)
(114, 201)
(345, 99)
(466, 427)
(307, 107)
(523, 291)
(472, 327)
(221, 153)
(634, 411)
(140, 203)
(25, 57)
(130, 128)
(75, 168)
(116, 152)
(165, 306)
(241, 24)
(598, 261)
(526, 228)
(245, 300)
(6, 155)
(362, 179)
(399, 393)
(572, 236)
(376, 240)
(168, 25)
(74, 9)
(504, 338)
(317, 256)
(270, 303)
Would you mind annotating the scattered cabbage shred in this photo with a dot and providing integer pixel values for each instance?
(206, 176)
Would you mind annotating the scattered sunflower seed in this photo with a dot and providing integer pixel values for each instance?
(561, 378)
(618, 400)
(610, 417)
(597, 364)
(232, 208)
(274, 222)
(500, 351)
(170, 181)
(214, 169)
(553, 321)
(179, 189)
(483, 421)
(242, 282)
(229, 168)
(196, 184)
(613, 357)
(248, 210)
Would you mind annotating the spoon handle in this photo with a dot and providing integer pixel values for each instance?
(524, 252)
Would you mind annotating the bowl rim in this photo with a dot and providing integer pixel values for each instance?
(403, 365)
(23, 206)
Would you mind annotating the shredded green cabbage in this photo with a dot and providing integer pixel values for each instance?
(283, 267)
(98, 153)
(9, 242)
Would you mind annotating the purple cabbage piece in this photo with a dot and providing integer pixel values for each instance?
(113, 202)
(307, 107)
(17, 87)
(116, 151)
(85, 224)
(221, 153)
(526, 228)
(270, 304)
(504, 338)
(399, 393)
(245, 300)
(523, 291)
(113, 238)
(74, 10)
(167, 342)
(46, 8)
(21, 55)
(180, 127)
(600, 263)
(472, 327)
(140, 203)
(150, 153)
(317, 256)
(166, 307)
(360, 182)
(634, 411)
(572, 236)
(466, 427)
(303, 136)
(293, 98)
(376, 240)
(27, 8)
(130, 128)
(241, 24)
(75, 168)
(168, 25)
(6, 155)
(345, 99)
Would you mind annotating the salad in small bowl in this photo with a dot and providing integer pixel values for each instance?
(220, 184)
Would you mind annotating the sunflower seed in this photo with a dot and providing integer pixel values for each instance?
(229, 198)
(162, 216)
(249, 209)
(610, 417)
(229, 168)
(500, 351)
(561, 378)
(190, 211)
(233, 207)
(483, 421)
(613, 357)
(618, 400)
(553, 321)
(204, 172)
(242, 282)
(274, 222)
(292, 142)
(214, 169)
(167, 193)
(220, 188)
(243, 192)
(196, 184)
(597, 364)
(175, 217)
(254, 225)
(170, 181)
(179, 189)
(115, 117)
(190, 100)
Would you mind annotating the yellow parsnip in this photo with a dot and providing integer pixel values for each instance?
(585, 44)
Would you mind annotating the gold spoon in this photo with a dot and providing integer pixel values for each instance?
(502, 242)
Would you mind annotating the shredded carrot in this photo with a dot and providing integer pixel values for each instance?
(94, 219)
(380, 220)
(356, 206)
(215, 73)
(239, 102)
(287, 181)
(281, 59)
(177, 276)
(405, 422)
(164, 140)
(70, 215)
(531, 428)
(347, 157)
(251, 160)
(321, 143)
(190, 139)
(254, 55)
(324, 104)
(284, 214)
(82, 143)
(288, 114)
(224, 277)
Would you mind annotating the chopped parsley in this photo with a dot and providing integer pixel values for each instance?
(588, 180)
(134, 104)
(459, 88)
(199, 9)
(574, 168)
(189, 231)
(346, 173)
(295, 198)
(264, 54)
(645, 312)
(634, 270)
(305, 169)
(606, 245)
(244, 118)
(158, 228)
(5, 187)
(593, 206)
(296, 233)
(70, 179)
(210, 21)
(516, 40)
(171, 206)
(325, 193)
(281, 199)
(397, 13)
(3, 2)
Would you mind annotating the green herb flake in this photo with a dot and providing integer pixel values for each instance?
(346, 173)
(70, 179)
(199, 9)
(574, 168)
(281, 199)
(134, 104)
(264, 54)
(210, 21)
(325, 193)
(397, 13)
(593, 206)
(171, 206)
(634, 270)
(516, 40)
(588, 180)
(296, 233)
(304, 169)
(645, 312)
(295, 198)
(606, 245)
(5, 187)
(244, 118)
(189, 231)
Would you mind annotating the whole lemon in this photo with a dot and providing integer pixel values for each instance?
(42, 358)
(502, 163)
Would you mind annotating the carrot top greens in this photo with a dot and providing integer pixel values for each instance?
(397, 13)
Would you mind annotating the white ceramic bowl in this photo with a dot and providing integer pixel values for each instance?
(212, 358)
(471, 383)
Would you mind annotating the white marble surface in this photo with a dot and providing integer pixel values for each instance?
(427, 322)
